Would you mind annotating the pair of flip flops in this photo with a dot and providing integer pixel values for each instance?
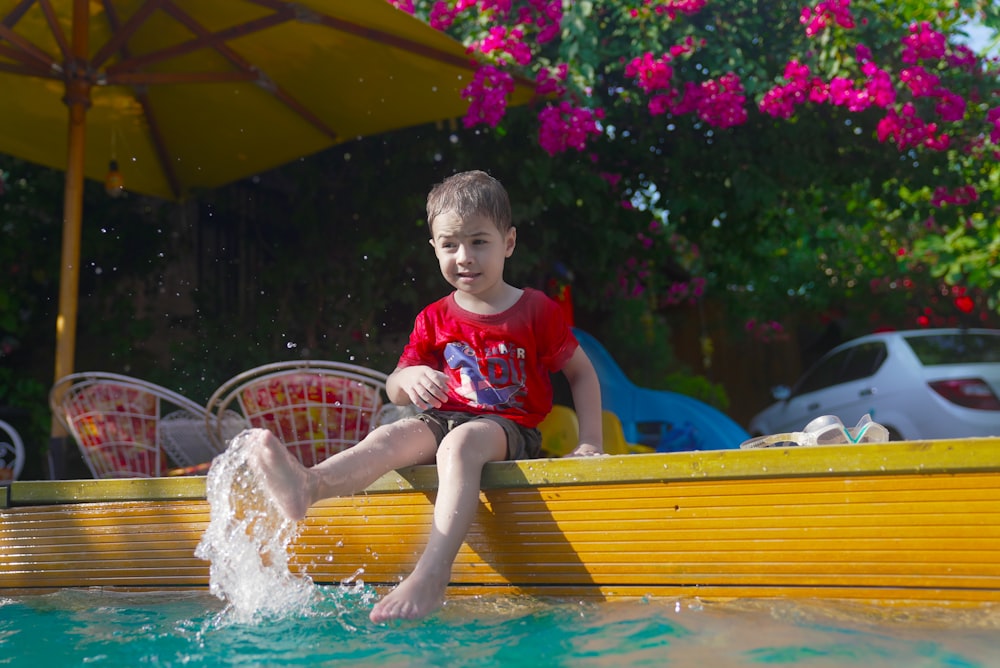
(824, 430)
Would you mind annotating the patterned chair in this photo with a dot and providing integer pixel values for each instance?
(316, 408)
(129, 428)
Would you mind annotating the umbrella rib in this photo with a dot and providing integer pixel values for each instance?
(15, 14)
(153, 78)
(401, 43)
(158, 143)
(23, 49)
(27, 70)
(121, 33)
(372, 35)
(206, 40)
(55, 28)
(25, 66)
(242, 65)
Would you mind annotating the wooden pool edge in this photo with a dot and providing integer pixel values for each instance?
(939, 456)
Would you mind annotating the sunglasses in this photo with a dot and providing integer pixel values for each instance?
(824, 430)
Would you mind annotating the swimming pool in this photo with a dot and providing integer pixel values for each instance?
(264, 610)
(103, 628)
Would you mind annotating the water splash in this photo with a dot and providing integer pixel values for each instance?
(247, 541)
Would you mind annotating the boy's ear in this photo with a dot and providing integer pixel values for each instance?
(511, 241)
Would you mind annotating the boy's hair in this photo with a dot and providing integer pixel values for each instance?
(470, 194)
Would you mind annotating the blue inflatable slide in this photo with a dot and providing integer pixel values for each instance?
(665, 421)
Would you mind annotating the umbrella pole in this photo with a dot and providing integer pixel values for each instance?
(69, 277)
(77, 101)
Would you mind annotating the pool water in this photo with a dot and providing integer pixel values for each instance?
(104, 628)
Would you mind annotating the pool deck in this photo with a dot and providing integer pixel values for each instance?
(908, 523)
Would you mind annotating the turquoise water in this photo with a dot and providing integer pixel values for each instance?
(100, 628)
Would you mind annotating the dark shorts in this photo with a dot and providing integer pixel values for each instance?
(522, 442)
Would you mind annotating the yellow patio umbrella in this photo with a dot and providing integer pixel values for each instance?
(192, 94)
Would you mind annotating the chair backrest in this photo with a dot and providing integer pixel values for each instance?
(11, 453)
(125, 426)
(613, 435)
(560, 431)
(317, 408)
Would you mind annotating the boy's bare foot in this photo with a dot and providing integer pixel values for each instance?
(283, 476)
(413, 598)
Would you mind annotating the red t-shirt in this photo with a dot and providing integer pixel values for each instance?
(496, 363)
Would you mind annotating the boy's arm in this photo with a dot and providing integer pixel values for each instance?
(422, 386)
(586, 390)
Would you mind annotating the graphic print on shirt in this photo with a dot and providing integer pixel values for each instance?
(503, 377)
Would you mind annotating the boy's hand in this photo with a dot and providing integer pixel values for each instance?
(426, 387)
(586, 450)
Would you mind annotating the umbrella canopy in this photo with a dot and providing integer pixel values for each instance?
(191, 94)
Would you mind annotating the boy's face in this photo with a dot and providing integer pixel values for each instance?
(471, 253)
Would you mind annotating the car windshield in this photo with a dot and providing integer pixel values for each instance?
(958, 348)
(853, 363)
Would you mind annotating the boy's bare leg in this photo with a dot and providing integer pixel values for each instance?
(294, 487)
(460, 461)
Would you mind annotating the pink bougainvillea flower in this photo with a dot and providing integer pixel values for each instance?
(908, 130)
(963, 58)
(993, 118)
(563, 126)
(651, 73)
(920, 82)
(780, 101)
(500, 7)
(487, 94)
(950, 106)
(826, 13)
(879, 85)
(442, 15)
(961, 195)
(923, 43)
(508, 43)
(403, 5)
(721, 101)
(843, 93)
(673, 8)
(549, 80)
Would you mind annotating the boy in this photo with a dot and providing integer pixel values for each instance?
(477, 365)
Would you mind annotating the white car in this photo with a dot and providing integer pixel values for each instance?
(919, 384)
